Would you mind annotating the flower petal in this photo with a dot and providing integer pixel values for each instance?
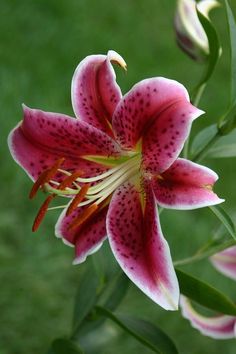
(186, 185)
(65, 134)
(94, 90)
(165, 139)
(139, 246)
(142, 105)
(43, 137)
(87, 238)
(218, 327)
(225, 262)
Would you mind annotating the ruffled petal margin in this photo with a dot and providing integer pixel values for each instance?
(218, 327)
(138, 245)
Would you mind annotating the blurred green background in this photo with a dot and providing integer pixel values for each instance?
(42, 41)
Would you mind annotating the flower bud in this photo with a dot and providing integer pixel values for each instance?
(190, 34)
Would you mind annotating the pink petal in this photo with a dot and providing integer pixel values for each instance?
(218, 327)
(91, 236)
(225, 262)
(140, 107)
(139, 246)
(42, 138)
(87, 238)
(186, 185)
(67, 135)
(94, 91)
(165, 139)
(35, 160)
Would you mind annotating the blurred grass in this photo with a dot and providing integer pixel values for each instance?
(41, 43)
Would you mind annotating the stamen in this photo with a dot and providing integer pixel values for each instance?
(85, 214)
(41, 213)
(111, 179)
(69, 180)
(45, 177)
(107, 173)
(78, 199)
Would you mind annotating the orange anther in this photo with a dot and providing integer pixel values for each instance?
(85, 214)
(69, 180)
(78, 199)
(45, 177)
(41, 213)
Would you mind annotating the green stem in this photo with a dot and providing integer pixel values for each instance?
(195, 99)
(200, 255)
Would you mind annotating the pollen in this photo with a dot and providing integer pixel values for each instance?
(208, 187)
(45, 177)
(78, 199)
(41, 213)
(69, 180)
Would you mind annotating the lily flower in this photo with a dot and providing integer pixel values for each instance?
(114, 163)
(220, 326)
(225, 262)
(190, 34)
(217, 327)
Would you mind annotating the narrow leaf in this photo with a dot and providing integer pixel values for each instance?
(214, 52)
(144, 331)
(202, 138)
(232, 36)
(64, 346)
(222, 151)
(224, 219)
(204, 294)
(211, 248)
(111, 296)
(115, 292)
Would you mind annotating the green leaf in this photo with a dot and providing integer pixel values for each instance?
(115, 292)
(224, 219)
(64, 346)
(87, 294)
(222, 151)
(214, 53)
(145, 332)
(204, 294)
(232, 36)
(202, 138)
(209, 249)
(111, 296)
(223, 147)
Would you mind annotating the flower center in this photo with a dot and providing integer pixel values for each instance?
(92, 192)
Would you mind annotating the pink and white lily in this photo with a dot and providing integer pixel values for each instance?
(221, 326)
(115, 162)
(190, 34)
(217, 327)
(225, 262)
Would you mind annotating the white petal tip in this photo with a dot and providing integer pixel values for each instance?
(67, 243)
(198, 112)
(206, 6)
(78, 260)
(117, 58)
(219, 201)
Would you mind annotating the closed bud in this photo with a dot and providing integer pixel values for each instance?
(190, 34)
